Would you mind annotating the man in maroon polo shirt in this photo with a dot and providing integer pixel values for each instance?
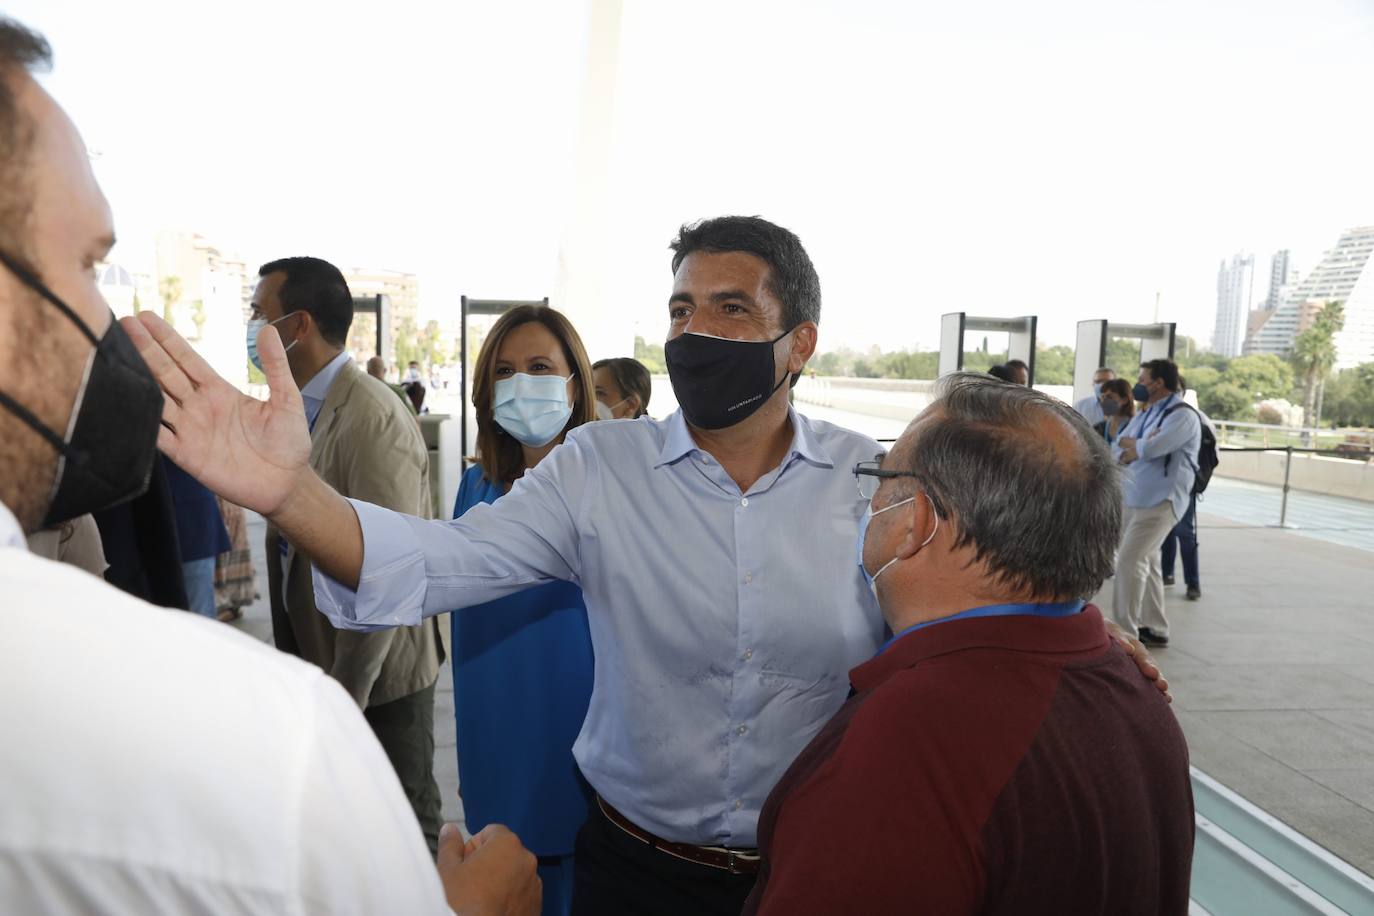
(1000, 754)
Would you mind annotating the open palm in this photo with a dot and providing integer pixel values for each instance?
(248, 451)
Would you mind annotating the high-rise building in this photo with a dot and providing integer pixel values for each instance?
(1282, 276)
(1235, 294)
(211, 293)
(1345, 274)
(403, 289)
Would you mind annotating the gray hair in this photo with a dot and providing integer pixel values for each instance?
(1040, 517)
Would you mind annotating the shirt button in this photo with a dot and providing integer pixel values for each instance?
(748, 654)
(748, 577)
(739, 803)
(744, 502)
(743, 729)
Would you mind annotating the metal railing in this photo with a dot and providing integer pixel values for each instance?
(1352, 442)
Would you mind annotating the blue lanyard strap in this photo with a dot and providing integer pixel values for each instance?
(1062, 609)
(1161, 405)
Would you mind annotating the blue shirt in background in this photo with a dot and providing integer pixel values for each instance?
(522, 678)
(1150, 480)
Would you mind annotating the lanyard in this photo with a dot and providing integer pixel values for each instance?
(1161, 405)
(1063, 609)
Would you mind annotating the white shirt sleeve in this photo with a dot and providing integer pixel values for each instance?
(359, 847)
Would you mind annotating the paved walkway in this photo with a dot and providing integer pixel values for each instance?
(1273, 678)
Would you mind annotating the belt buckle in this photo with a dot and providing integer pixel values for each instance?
(731, 865)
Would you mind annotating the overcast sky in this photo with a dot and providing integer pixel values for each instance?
(1070, 159)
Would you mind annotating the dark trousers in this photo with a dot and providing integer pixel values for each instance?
(405, 729)
(618, 875)
(1183, 540)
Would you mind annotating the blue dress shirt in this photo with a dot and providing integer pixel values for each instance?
(1148, 481)
(317, 389)
(724, 623)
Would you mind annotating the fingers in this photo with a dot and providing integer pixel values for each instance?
(170, 376)
(451, 851)
(278, 371)
(176, 347)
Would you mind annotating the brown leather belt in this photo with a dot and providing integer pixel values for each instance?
(735, 861)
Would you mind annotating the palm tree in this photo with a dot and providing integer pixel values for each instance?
(1314, 353)
(170, 290)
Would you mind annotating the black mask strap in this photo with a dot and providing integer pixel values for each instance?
(37, 425)
(31, 281)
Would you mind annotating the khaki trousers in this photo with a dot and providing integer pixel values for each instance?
(1138, 589)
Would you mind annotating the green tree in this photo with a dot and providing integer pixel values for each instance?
(1225, 401)
(1349, 396)
(1314, 353)
(169, 288)
(407, 343)
(198, 317)
(1054, 365)
(1201, 379)
(1261, 376)
(651, 355)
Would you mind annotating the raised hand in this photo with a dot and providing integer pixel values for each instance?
(250, 452)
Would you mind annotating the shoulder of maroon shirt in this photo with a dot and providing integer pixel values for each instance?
(923, 790)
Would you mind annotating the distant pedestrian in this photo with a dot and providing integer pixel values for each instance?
(1182, 540)
(1091, 407)
(235, 577)
(1160, 448)
(1117, 407)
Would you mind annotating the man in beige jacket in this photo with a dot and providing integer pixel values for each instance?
(366, 444)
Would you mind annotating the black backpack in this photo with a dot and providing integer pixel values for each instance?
(1207, 459)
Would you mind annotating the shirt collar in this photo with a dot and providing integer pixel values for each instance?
(1084, 632)
(11, 535)
(317, 389)
(679, 441)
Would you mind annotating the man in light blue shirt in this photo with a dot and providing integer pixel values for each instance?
(1090, 408)
(1159, 447)
(716, 550)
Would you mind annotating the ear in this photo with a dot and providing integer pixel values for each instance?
(919, 518)
(636, 405)
(804, 338)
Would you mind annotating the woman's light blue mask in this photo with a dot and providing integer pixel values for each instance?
(533, 409)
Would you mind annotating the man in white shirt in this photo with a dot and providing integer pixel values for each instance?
(1090, 408)
(155, 762)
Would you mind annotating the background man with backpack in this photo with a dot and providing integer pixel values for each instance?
(1181, 542)
(1160, 448)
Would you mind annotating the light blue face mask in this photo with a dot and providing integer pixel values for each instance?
(255, 326)
(867, 517)
(532, 408)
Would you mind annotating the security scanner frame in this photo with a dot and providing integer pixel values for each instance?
(1090, 353)
(379, 305)
(467, 308)
(1020, 343)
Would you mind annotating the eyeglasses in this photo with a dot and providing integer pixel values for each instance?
(869, 475)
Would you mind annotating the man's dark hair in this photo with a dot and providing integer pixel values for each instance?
(791, 275)
(1017, 364)
(1001, 372)
(1040, 516)
(1164, 370)
(317, 287)
(21, 51)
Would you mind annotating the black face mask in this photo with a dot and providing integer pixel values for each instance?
(107, 456)
(718, 381)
